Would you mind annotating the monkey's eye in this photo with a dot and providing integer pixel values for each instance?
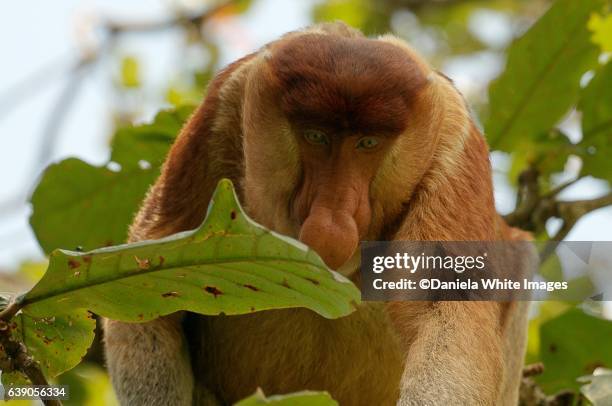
(367, 143)
(316, 137)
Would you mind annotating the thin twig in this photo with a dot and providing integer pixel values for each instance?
(17, 352)
(528, 196)
(33, 83)
(534, 208)
(116, 27)
(59, 111)
(570, 212)
(10, 311)
(555, 191)
(22, 361)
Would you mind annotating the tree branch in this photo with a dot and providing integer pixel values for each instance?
(117, 27)
(17, 354)
(555, 191)
(528, 196)
(534, 208)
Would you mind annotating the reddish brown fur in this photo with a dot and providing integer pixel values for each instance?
(430, 181)
(179, 199)
(340, 84)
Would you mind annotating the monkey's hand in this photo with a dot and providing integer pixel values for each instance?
(149, 362)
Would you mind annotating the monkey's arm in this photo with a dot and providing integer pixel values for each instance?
(459, 352)
(149, 363)
(456, 356)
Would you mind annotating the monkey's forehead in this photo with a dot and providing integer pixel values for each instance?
(357, 83)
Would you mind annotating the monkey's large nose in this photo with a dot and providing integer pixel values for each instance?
(333, 234)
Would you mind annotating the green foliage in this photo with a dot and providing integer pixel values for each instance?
(93, 214)
(305, 398)
(57, 342)
(89, 386)
(542, 78)
(81, 205)
(232, 266)
(240, 6)
(130, 72)
(596, 107)
(149, 142)
(571, 345)
(601, 26)
(371, 17)
(546, 311)
(228, 265)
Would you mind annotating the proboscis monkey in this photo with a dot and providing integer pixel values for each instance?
(332, 138)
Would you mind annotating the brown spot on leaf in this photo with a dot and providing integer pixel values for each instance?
(140, 316)
(142, 264)
(552, 348)
(252, 309)
(213, 291)
(73, 264)
(161, 261)
(170, 294)
(314, 281)
(87, 259)
(233, 214)
(286, 284)
(253, 288)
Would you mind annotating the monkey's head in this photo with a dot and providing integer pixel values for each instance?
(338, 132)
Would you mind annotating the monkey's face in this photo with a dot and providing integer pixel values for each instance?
(330, 117)
(332, 200)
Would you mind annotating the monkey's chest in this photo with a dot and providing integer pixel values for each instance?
(356, 358)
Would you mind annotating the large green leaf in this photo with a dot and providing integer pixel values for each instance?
(77, 204)
(228, 265)
(305, 398)
(572, 345)
(596, 107)
(80, 205)
(542, 78)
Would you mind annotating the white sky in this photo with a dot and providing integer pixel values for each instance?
(36, 34)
